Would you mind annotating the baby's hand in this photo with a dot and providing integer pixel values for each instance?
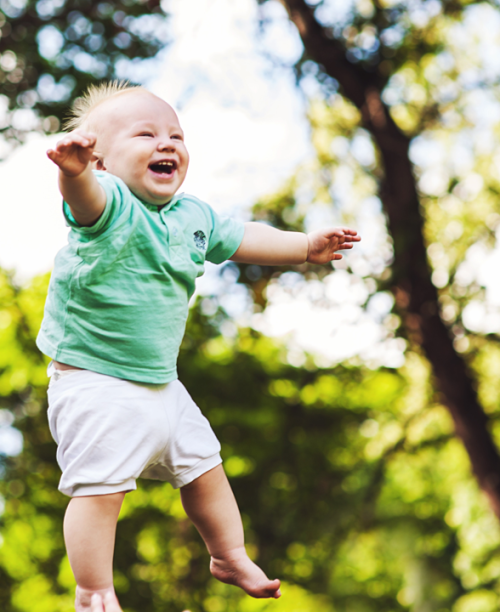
(73, 153)
(322, 244)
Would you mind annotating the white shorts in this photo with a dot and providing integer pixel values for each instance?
(110, 431)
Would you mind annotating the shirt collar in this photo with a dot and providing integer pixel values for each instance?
(168, 205)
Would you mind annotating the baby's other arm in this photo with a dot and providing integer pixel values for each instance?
(266, 245)
(77, 183)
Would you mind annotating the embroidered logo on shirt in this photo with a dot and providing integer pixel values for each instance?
(200, 240)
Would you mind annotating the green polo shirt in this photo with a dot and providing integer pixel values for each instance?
(118, 296)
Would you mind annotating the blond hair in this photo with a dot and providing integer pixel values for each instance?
(95, 95)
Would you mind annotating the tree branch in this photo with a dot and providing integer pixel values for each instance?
(416, 296)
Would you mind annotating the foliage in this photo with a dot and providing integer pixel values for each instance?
(431, 63)
(420, 85)
(351, 486)
(51, 50)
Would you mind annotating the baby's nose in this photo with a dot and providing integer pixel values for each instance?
(166, 145)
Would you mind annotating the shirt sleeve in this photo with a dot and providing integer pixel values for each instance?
(117, 201)
(225, 238)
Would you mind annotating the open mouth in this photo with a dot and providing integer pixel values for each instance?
(164, 167)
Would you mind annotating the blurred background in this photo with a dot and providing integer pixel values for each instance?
(357, 404)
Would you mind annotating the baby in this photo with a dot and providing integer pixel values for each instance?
(114, 319)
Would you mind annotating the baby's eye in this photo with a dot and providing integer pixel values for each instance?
(149, 134)
(176, 137)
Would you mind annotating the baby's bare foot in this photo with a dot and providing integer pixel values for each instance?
(236, 568)
(83, 599)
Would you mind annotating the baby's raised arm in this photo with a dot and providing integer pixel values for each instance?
(77, 183)
(266, 245)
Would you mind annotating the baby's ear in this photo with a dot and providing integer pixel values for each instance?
(97, 162)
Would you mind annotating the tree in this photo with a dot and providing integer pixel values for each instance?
(361, 54)
(51, 51)
(380, 510)
(351, 485)
(344, 482)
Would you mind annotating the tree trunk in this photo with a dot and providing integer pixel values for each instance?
(416, 296)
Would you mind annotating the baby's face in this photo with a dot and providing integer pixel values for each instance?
(139, 139)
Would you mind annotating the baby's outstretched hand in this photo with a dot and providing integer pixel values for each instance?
(323, 244)
(73, 153)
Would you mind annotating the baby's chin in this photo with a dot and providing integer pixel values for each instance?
(161, 200)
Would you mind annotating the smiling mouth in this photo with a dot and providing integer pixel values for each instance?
(164, 167)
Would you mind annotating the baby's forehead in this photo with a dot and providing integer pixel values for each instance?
(127, 107)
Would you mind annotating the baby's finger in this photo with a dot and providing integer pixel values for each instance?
(55, 156)
(333, 232)
(349, 238)
(81, 140)
(85, 140)
(61, 144)
(348, 231)
(88, 135)
(78, 140)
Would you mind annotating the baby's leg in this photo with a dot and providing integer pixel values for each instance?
(89, 533)
(210, 504)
